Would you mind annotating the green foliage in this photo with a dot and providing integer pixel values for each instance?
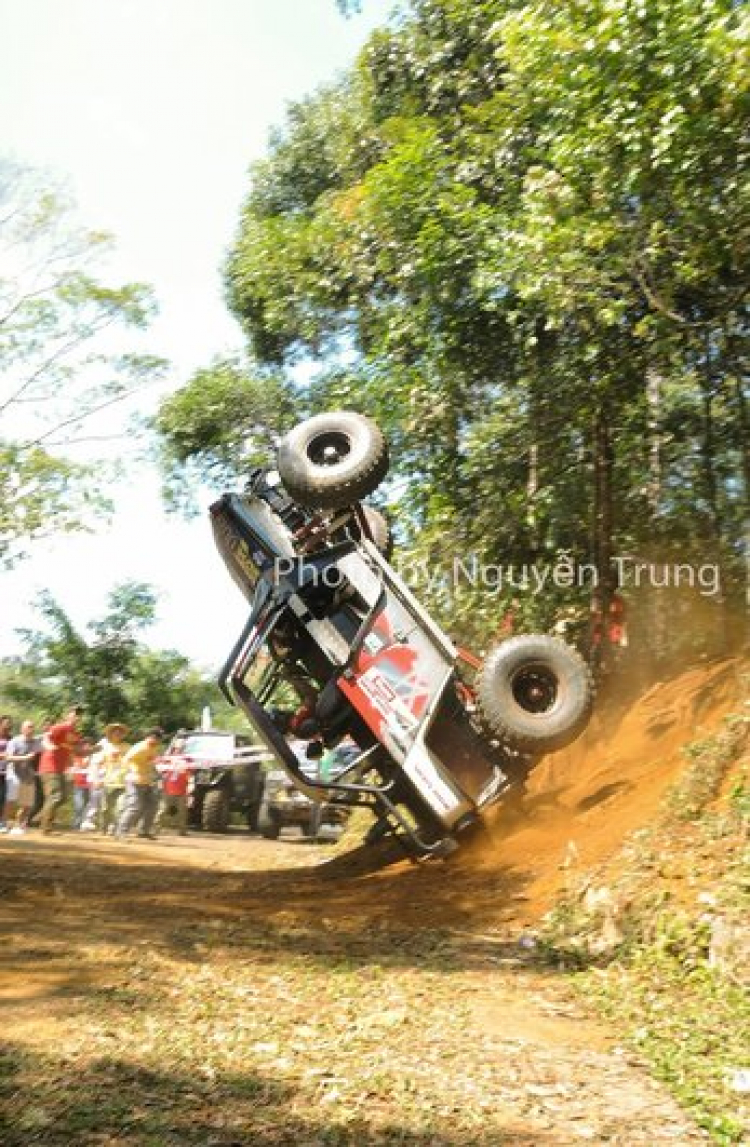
(42, 493)
(740, 801)
(107, 669)
(709, 760)
(689, 1022)
(515, 233)
(221, 422)
(59, 323)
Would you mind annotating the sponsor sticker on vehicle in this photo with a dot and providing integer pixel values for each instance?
(422, 771)
(384, 698)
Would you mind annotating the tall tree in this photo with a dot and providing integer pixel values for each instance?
(490, 233)
(107, 668)
(223, 421)
(62, 356)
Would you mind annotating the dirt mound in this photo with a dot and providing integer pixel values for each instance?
(585, 800)
(582, 803)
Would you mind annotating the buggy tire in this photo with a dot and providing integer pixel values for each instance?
(534, 693)
(333, 460)
(252, 813)
(215, 811)
(380, 530)
(195, 813)
(313, 826)
(269, 826)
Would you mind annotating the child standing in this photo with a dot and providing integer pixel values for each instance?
(79, 773)
(175, 769)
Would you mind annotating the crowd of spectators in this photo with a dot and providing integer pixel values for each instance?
(117, 788)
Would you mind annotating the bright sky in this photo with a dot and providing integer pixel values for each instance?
(153, 110)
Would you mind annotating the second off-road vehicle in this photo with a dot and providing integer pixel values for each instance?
(227, 778)
(284, 804)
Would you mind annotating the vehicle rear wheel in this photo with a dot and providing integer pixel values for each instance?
(333, 460)
(380, 530)
(269, 825)
(215, 812)
(251, 815)
(312, 827)
(195, 812)
(535, 693)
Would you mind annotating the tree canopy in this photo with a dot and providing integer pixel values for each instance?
(107, 668)
(226, 417)
(516, 233)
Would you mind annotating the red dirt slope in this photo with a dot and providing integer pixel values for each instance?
(586, 799)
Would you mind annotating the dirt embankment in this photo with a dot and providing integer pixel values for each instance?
(585, 800)
(582, 803)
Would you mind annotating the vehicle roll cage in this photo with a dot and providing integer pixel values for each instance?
(273, 597)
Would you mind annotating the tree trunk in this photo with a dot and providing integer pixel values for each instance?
(744, 423)
(532, 489)
(710, 483)
(601, 652)
(653, 397)
(738, 398)
(656, 605)
(711, 486)
(545, 345)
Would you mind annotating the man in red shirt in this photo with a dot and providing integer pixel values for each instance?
(176, 770)
(55, 761)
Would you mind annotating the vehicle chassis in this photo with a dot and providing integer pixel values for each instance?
(397, 773)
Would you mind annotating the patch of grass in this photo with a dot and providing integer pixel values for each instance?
(709, 758)
(355, 830)
(660, 941)
(689, 1022)
(739, 802)
(296, 1049)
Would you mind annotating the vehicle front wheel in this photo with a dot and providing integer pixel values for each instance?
(269, 825)
(312, 827)
(252, 812)
(535, 693)
(215, 812)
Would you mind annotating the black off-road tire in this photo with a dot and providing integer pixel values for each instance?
(377, 524)
(312, 828)
(535, 693)
(269, 826)
(252, 812)
(215, 811)
(332, 460)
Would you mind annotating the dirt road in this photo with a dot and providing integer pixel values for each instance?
(237, 991)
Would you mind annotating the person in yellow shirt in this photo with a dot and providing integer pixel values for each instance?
(141, 777)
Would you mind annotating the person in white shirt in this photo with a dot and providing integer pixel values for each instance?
(22, 752)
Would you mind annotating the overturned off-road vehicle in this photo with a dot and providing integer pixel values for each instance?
(335, 637)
